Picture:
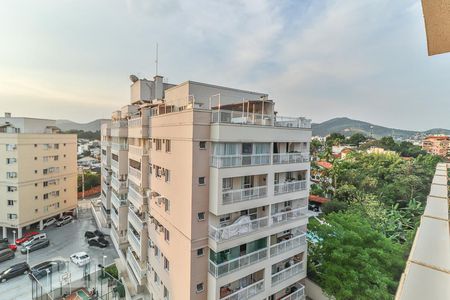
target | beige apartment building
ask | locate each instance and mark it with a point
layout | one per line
(207, 193)
(38, 177)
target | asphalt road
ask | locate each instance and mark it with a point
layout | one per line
(64, 241)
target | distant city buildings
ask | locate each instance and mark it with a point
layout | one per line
(437, 144)
(38, 172)
(206, 191)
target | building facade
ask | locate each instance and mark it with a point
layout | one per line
(38, 177)
(209, 193)
(437, 145)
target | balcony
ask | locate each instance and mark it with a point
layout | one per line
(240, 195)
(119, 147)
(290, 187)
(247, 292)
(119, 128)
(290, 158)
(239, 160)
(105, 144)
(288, 245)
(134, 241)
(118, 200)
(288, 273)
(298, 294)
(116, 238)
(115, 164)
(137, 150)
(135, 175)
(238, 263)
(114, 218)
(137, 220)
(237, 230)
(287, 216)
(117, 184)
(135, 197)
(138, 270)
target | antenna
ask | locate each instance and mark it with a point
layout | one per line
(156, 61)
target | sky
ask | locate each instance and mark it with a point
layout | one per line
(362, 59)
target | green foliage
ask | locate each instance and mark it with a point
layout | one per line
(353, 260)
(112, 270)
(334, 206)
(404, 149)
(356, 139)
(335, 139)
(91, 179)
(89, 135)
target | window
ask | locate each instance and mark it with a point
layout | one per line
(202, 145)
(200, 287)
(166, 264)
(156, 278)
(11, 147)
(201, 180)
(35, 210)
(224, 218)
(201, 216)
(11, 188)
(166, 205)
(167, 175)
(35, 197)
(10, 202)
(35, 184)
(35, 171)
(200, 252)
(12, 216)
(35, 145)
(167, 145)
(158, 143)
(10, 161)
(166, 235)
(45, 196)
(35, 158)
(166, 293)
(56, 146)
(11, 175)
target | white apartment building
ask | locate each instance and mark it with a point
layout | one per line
(209, 193)
(38, 177)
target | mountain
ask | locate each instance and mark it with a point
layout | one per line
(348, 127)
(93, 126)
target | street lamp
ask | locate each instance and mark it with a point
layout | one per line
(14, 237)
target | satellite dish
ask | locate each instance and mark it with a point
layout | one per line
(134, 78)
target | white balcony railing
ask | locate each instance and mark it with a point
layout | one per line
(135, 197)
(233, 196)
(106, 144)
(119, 147)
(137, 221)
(289, 215)
(134, 174)
(118, 184)
(114, 164)
(228, 161)
(138, 270)
(119, 124)
(118, 200)
(287, 273)
(292, 122)
(290, 158)
(290, 187)
(247, 292)
(288, 245)
(299, 294)
(227, 267)
(236, 230)
(114, 218)
(137, 150)
(134, 241)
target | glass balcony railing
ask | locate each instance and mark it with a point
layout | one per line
(134, 196)
(114, 218)
(290, 158)
(119, 147)
(133, 261)
(236, 230)
(287, 273)
(289, 215)
(134, 241)
(234, 196)
(135, 219)
(239, 160)
(298, 294)
(238, 263)
(118, 200)
(288, 245)
(247, 292)
(118, 184)
(290, 187)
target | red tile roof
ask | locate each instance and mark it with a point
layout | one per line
(318, 199)
(324, 164)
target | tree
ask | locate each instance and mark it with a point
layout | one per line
(352, 260)
(335, 139)
(334, 206)
(356, 139)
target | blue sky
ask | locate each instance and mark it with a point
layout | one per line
(363, 59)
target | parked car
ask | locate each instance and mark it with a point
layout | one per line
(98, 242)
(92, 234)
(64, 220)
(80, 258)
(15, 270)
(36, 237)
(36, 245)
(6, 254)
(49, 222)
(26, 237)
(40, 270)
(4, 240)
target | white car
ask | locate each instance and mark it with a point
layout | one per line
(49, 222)
(63, 221)
(80, 258)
